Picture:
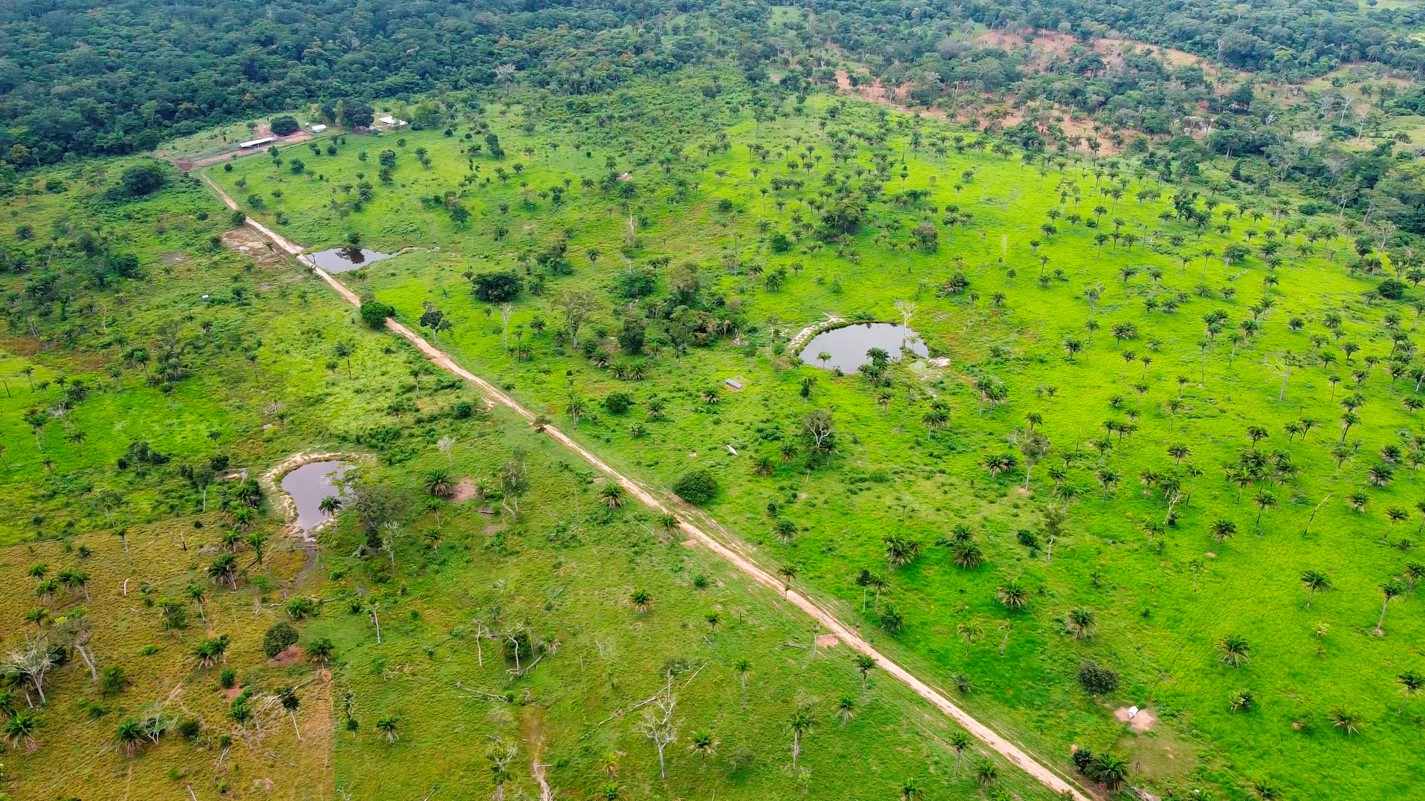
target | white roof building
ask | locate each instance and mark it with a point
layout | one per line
(257, 142)
(390, 121)
(317, 127)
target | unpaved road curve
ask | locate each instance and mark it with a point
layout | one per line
(986, 735)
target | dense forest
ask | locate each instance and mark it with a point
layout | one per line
(686, 399)
(108, 78)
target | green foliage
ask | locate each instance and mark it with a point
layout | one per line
(278, 637)
(496, 286)
(284, 124)
(142, 179)
(696, 487)
(374, 313)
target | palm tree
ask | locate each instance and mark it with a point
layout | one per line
(224, 570)
(1314, 581)
(1263, 500)
(437, 483)
(199, 597)
(257, 541)
(703, 744)
(845, 708)
(986, 773)
(864, 665)
(1079, 623)
(960, 742)
(968, 555)
(500, 754)
(1345, 721)
(1222, 530)
(901, 551)
(787, 574)
(329, 505)
(1012, 596)
(801, 723)
(130, 736)
(1411, 682)
(1235, 650)
(641, 600)
(20, 728)
(1389, 591)
(387, 726)
(1110, 771)
(612, 496)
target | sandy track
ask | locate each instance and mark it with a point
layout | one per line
(989, 737)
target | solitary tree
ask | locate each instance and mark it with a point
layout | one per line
(1389, 591)
(658, 724)
(864, 665)
(801, 723)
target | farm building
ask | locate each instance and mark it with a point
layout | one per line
(251, 143)
(317, 127)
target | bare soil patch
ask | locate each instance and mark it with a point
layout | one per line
(291, 655)
(255, 246)
(464, 491)
(1139, 720)
(826, 640)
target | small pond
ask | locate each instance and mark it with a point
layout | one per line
(341, 260)
(846, 347)
(308, 485)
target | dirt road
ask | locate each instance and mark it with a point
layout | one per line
(725, 551)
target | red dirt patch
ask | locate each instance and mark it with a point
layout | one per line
(291, 655)
(464, 491)
(251, 244)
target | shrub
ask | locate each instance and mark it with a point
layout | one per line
(278, 638)
(374, 313)
(618, 403)
(142, 179)
(1391, 289)
(697, 487)
(284, 125)
(113, 680)
(1097, 679)
(497, 287)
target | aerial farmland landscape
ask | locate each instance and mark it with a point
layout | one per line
(846, 400)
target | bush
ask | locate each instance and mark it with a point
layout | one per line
(374, 313)
(497, 287)
(1097, 679)
(142, 179)
(190, 728)
(1391, 289)
(284, 125)
(278, 639)
(113, 681)
(618, 403)
(697, 487)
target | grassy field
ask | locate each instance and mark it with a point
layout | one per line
(1094, 358)
(110, 549)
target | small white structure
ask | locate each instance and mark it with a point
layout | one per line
(389, 121)
(317, 127)
(251, 143)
